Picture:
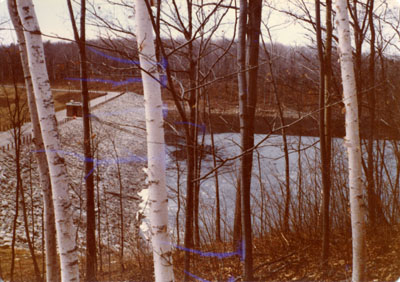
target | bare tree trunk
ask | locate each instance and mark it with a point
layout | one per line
(46, 113)
(26, 225)
(99, 233)
(162, 254)
(286, 216)
(188, 122)
(352, 142)
(237, 224)
(191, 142)
(17, 121)
(327, 131)
(325, 161)
(371, 106)
(199, 157)
(249, 24)
(121, 218)
(188, 238)
(178, 197)
(80, 40)
(358, 28)
(121, 211)
(217, 200)
(52, 265)
(243, 117)
(14, 235)
(16, 118)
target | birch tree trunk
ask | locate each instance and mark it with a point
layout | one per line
(52, 266)
(48, 123)
(158, 200)
(352, 141)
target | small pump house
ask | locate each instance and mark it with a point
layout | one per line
(74, 109)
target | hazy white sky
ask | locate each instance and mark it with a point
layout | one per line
(52, 15)
(54, 20)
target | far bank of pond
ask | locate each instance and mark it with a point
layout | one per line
(303, 126)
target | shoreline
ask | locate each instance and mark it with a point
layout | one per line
(305, 126)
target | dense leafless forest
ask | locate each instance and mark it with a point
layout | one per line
(188, 144)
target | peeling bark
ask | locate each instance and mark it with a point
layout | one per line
(52, 266)
(48, 123)
(352, 142)
(162, 255)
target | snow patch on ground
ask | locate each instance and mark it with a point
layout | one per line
(119, 150)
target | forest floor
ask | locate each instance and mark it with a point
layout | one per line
(296, 257)
(278, 257)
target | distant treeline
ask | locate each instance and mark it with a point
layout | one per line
(295, 70)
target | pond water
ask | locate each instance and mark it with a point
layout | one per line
(267, 182)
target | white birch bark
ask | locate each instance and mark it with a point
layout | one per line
(352, 141)
(48, 123)
(158, 200)
(52, 267)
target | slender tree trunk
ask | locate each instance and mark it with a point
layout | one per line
(191, 142)
(52, 265)
(17, 121)
(32, 209)
(300, 183)
(14, 232)
(121, 211)
(26, 225)
(217, 200)
(286, 216)
(121, 218)
(197, 155)
(80, 40)
(323, 139)
(371, 106)
(178, 197)
(358, 41)
(99, 233)
(243, 118)
(327, 131)
(46, 113)
(90, 203)
(237, 224)
(188, 238)
(155, 147)
(199, 158)
(352, 142)
(249, 24)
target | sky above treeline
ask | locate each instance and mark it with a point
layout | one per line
(54, 21)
